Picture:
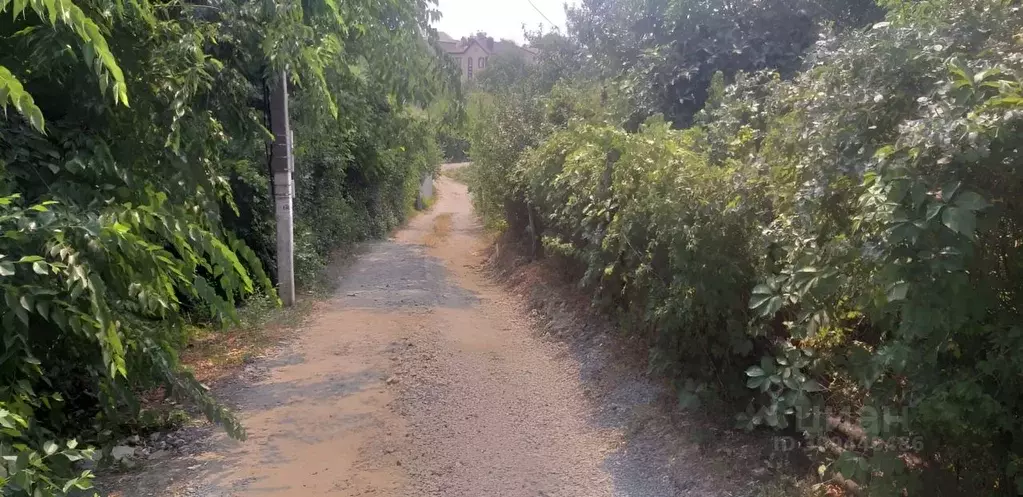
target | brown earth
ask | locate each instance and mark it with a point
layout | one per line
(426, 377)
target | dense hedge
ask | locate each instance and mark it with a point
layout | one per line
(665, 240)
(835, 247)
(134, 190)
(357, 176)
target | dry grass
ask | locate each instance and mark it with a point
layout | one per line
(213, 354)
(441, 230)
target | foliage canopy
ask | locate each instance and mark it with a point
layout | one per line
(829, 228)
(134, 194)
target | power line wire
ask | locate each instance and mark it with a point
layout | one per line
(542, 14)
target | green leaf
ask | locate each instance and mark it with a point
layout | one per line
(758, 300)
(849, 465)
(59, 318)
(887, 463)
(755, 371)
(812, 386)
(949, 190)
(790, 382)
(970, 201)
(962, 221)
(960, 73)
(40, 268)
(772, 306)
(902, 232)
(92, 40)
(897, 190)
(986, 73)
(884, 152)
(7, 268)
(1004, 101)
(22, 315)
(50, 448)
(19, 7)
(12, 92)
(43, 309)
(898, 291)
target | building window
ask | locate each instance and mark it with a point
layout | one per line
(483, 63)
(470, 68)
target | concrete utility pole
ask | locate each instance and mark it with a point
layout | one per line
(281, 165)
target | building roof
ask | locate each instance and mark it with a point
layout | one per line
(507, 46)
(455, 47)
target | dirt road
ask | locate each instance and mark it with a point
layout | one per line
(423, 378)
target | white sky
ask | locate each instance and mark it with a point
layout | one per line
(501, 19)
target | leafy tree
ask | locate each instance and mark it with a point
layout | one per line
(663, 53)
(834, 228)
(897, 147)
(132, 169)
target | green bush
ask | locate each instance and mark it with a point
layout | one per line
(841, 239)
(669, 242)
(357, 177)
(663, 54)
(893, 164)
(121, 223)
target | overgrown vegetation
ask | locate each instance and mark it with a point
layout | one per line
(134, 193)
(807, 207)
(461, 174)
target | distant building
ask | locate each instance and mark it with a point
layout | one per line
(473, 54)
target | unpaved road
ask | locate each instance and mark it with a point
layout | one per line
(424, 378)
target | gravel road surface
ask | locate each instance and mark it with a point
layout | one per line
(423, 377)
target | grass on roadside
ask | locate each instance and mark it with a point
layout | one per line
(460, 174)
(211, 354)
